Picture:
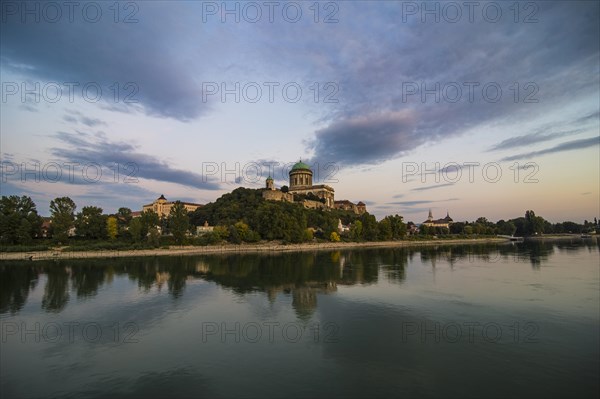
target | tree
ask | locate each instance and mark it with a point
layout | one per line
(19, 220)
(123, 216)
(385, 230)
(63, 215)
(234, 236)
(506, 228)
(179, 222)
(334, 237)
(308, 235)
(149, 219)
(112, 227)
(356, 230)
(91, 223)
(154, 237)
(534, 224)
(136, 229)
(397, 226)
(285, 189)
(369, 227)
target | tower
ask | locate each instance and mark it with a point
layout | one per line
(300, 176)
(430, 217)
(270, 185)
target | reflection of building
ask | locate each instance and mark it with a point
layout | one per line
(162, 207)
(301, 186)
(445, 222)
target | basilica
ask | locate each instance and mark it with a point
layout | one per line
(312, 196)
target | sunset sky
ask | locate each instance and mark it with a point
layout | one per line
(195, 95)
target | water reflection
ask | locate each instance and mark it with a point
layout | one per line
(302, 275)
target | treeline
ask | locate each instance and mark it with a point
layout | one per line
(20, 224)
(529, 225)
(240, 216)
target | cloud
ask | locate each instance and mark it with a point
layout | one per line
(421, 202)
(376, 120)
(159, 65)
(432, 187)
(86, 149)
(76, 116)
(366, 139)
(568, 146)
(523, 141)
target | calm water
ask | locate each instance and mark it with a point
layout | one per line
(509, 320)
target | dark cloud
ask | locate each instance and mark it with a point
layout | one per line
(568, 146)
(161, 68)
(369, 139)
(432, 187)
(86, 148)
(421, 202)
(373, 70)
(523, 141)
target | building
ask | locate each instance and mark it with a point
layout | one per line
(342, 228)
(301, 184)
(445, 222)
(200, 230)
(162, 207)
(301, 188)
(346, 205)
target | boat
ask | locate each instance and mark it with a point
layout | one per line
(586, 236)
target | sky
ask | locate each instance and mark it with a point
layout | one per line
(472, 108)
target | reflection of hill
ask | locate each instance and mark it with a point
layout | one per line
(304, 275)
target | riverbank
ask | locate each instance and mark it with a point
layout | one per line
(233, 248)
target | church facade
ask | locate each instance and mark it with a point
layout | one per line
(445, 222)
(312, 196)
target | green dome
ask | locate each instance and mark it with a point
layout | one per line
(300, 165)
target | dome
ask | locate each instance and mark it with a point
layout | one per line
(300, 165)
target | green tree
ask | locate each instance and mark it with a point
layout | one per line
(397, 226)
(356, 230)
(136, 229)
(234, 236)
(154, 237)
(369, 223)
(124, 217)
(112, 227)
(533, 224)
(334, 237)
(385, 229)
(149, 219)
(308, 235)
(62, 210)
(91, 223)
(19, 220)
(179, 222)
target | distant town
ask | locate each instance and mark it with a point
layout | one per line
(295, 213)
